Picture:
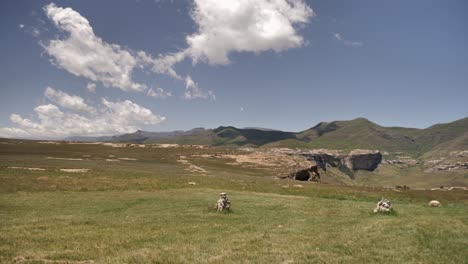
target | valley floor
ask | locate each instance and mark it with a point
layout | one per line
(180, 226)
(103, 204)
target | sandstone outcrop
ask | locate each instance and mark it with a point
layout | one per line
(359, 159)
(452, 167)
(363, 160)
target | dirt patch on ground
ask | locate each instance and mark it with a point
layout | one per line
(178, 146)
(254, 158)
(205, 156)
(193, 168)
(127, 159)
(112, 160)
(276, 162)
(58, 158)
(190, 166)
(21, 259)
(114, 145)
(24, 168)
(166, 146)
(75, 170)
(49, 142)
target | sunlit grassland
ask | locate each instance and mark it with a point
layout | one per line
(414, 176)
(179, 226)
(144, 211)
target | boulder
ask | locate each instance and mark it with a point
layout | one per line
(363, 160)
(300, 175)
(359, 159)
(322, 158)
(384, 206)
(223, 202)
(304, 174)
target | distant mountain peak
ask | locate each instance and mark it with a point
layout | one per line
(346, 134)
(262, 128)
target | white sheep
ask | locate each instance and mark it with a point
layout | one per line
(434, 203)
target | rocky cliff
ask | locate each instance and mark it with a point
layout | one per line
(358, 159)
(362, 160)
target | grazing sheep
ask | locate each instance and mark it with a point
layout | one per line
(223, 202)
(384, 206)
(434, 203)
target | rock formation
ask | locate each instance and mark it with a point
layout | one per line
(363, 160)
(358, 159)
(223, 202)
(384, 206)
(450, 167)
(304, 174)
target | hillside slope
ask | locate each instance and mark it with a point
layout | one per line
(343, 135)
(444, 137)
(353, 134)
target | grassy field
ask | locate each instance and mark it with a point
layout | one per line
(144, 211)
(414, 176)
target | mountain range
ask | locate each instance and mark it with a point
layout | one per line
(345, 135)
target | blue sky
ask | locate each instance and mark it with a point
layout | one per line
(168, 65)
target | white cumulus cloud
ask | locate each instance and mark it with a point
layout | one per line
(192, 91)
(245, 26)
(163, 64)
(91, 87)
(225, 27)
(82, 53)
(67, 118)
(354, 44)
(158, 93)
(126, 113)
(337, 36)
(239, 26)
(72, 102)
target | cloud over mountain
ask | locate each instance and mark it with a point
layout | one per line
(73, 116)
(72, 102)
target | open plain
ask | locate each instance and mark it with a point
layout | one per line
(146, 206)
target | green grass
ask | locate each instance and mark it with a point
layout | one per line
(180, 226)
(412, 176)
(144, 211)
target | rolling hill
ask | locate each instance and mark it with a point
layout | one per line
(345, 135)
